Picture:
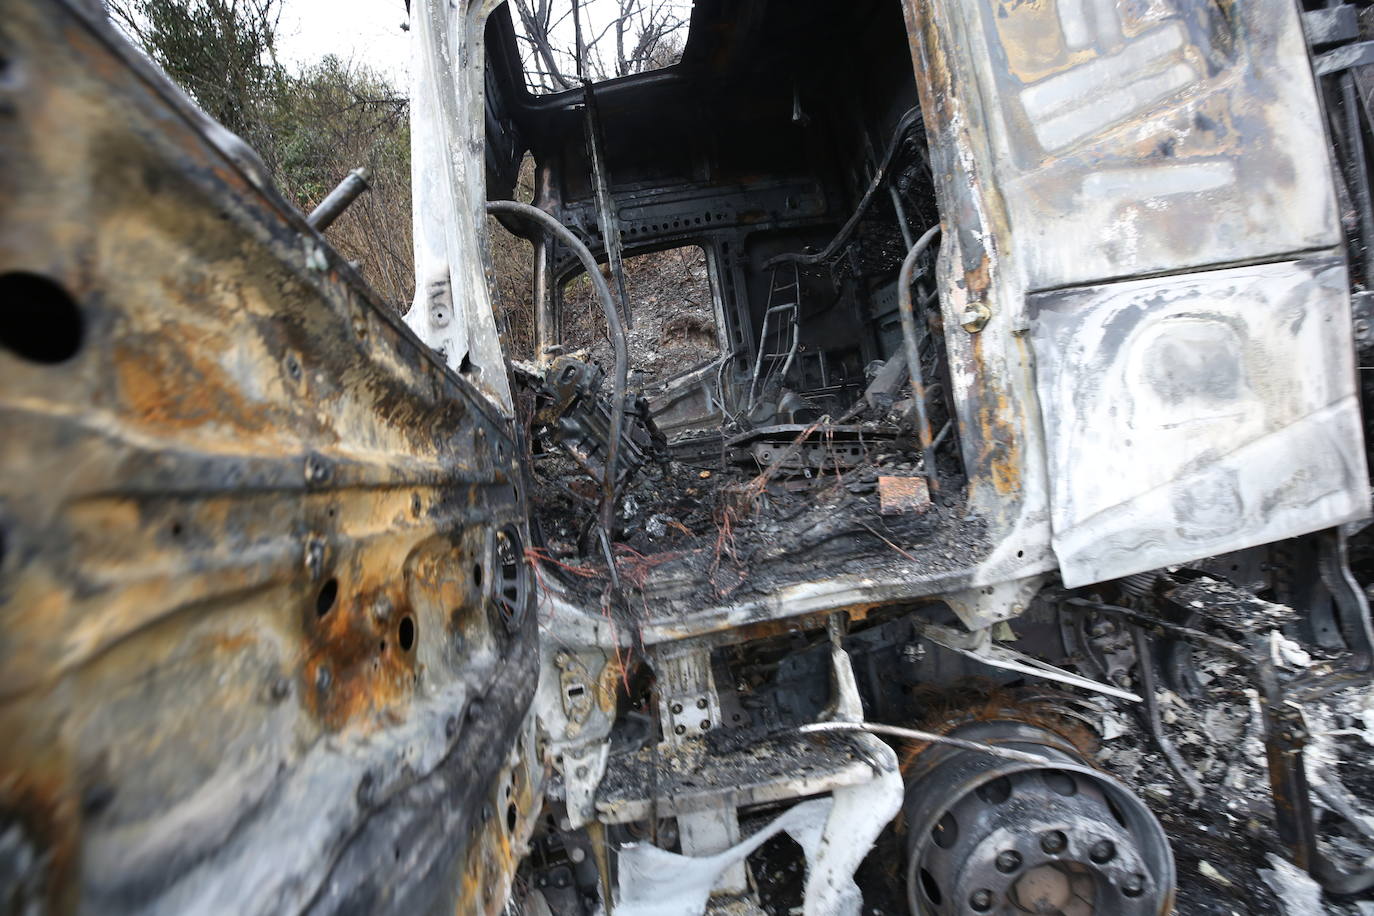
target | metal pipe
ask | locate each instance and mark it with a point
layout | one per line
(1146, 662)
(547, 333)
(337, 201)
(605, 205)
(913, 354)
(603, 293)
(913, 734)
(759, 356)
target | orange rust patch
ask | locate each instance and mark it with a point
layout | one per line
(1000, 452)
(979, 280)
(815, 620)
(899, 495)
(169, 385)
(488, 871)
(932, 73)
(45, 808)
(608, 685)
(356, 668)
(495, 848)
(977, 700)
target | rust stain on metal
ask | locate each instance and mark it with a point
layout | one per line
(259, 522)
(496, 847)
(356, 667)
(173, 383)
(999, 442)
(608, 685)
(42, 822)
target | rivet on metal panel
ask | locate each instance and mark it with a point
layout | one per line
(975, 316)
(314, 555)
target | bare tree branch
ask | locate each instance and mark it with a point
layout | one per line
(609, 41)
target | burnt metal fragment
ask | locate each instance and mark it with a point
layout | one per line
(571, 412)
(897, 495)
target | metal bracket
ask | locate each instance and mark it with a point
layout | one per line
(980, 647)
(1331, 25)
(689, 706)
(1343, 58)
(575, 691)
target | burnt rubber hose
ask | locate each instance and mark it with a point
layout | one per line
(603, 293)
(903, 125)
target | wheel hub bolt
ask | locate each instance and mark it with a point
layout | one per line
(1054, 842)
(1103, 851)
(1008, 860)
(1133, 886)
(980, 900)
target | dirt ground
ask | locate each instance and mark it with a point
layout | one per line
(673, 321)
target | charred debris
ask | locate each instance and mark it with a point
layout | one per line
(794, 440)
(810, 446)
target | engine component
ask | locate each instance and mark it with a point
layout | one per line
(571, 412)
(1102, 646)
(992, 835)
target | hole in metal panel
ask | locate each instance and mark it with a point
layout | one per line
(39, 320)
(324, 601)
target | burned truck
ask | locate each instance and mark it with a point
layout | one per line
(1001, 553)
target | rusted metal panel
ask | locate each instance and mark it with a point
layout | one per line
(1197, 415)
(250, 659)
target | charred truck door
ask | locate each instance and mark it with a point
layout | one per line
(1142, 218)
